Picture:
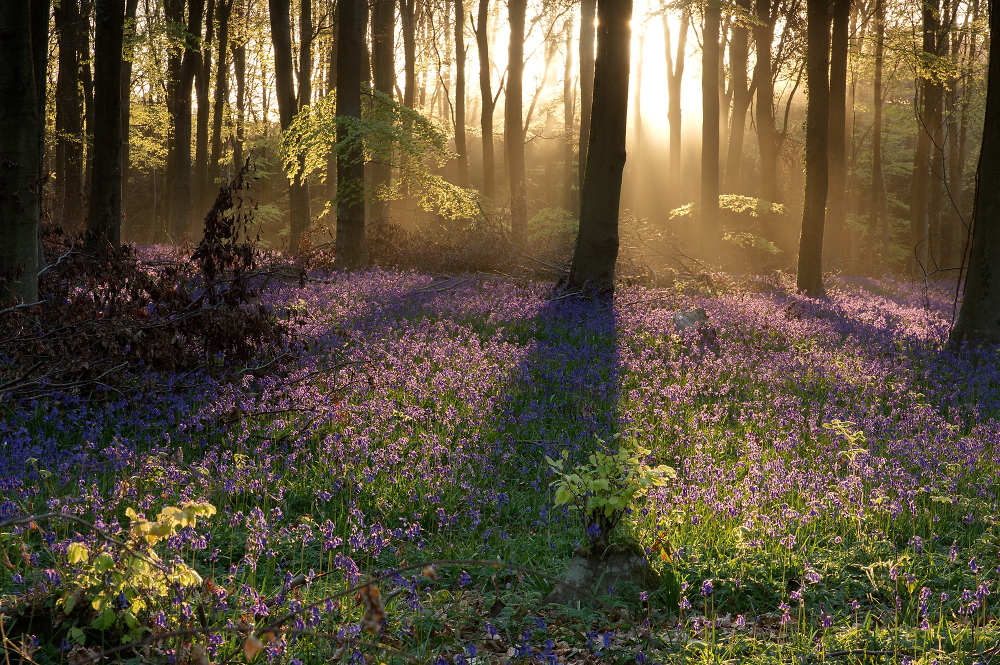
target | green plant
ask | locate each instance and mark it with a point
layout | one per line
(135, 574)
(604, 487)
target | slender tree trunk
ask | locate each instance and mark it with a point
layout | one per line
(298, 189)
(921, 181)
(40, 11)
(588, 11)
(87, 81)
(742, 96)
(104, 221)
(173, 11)
(131, 6)
(978, 319)
(20, 169)
(351, 249)
(836, 212)
(597, 244)
(408, 20)
(878, 217)
(384, 72)
(221, 95)
(767, 138)
(710, 133)
(810, 270)
(488, 104)
(460, 143)
(202, 82)
(181, 192)
(331, 85)
(69, 116)
(305, 53)
(514, 122)
(675, 76)
(240, 73)
(569, 113)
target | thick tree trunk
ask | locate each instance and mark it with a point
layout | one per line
(810, 270)
(488, 103)
(202, 82)
(104, 221)
(597, 244)
(69, 116)
(978, 319)
(180, 205)
(351, 250)
(514, 122)
(20, 169)
(460, 143)
(131, 7)
(588, 11)
(298, 189)
(384, 75)
(767, 137)
(675, 76)
(836, 212)
(878, 216)
(742, 96)
(221, 95)
(710, 133)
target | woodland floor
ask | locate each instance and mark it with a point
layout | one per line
(836, 497)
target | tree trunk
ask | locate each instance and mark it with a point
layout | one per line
(202, 81)
(460, 144)
(767, 139)
(569, 113)
(331, 85)
(810, 270)
(104, 221)
(408, 20)
(978, 319)
(384, 74)
(920, 184)
(488, 104)
(636, 169)
(180, 208)
(298, 189)
(131, 6)
(836, 212)
(742, 96)
(878, 217)
(305, 53)
(514, 122)
(351, 249)
(710, 133)
(675, 76)
(588, 10)
(20, 169)
(240, 73)
(69, 116)
(597, 244)
(221, 95)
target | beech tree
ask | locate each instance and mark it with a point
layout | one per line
(352, 250)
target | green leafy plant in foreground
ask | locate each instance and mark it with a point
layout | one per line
(604, 487)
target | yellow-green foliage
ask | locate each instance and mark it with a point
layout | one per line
(607, 484)
(135, 572)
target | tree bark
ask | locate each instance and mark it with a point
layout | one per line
(104, 221)
(597, 243)
(920, 184)
(514, 122)
(351, 249)
(408, 21)
(331, 85)
(225, 9)
(69, 116)
(675, 76)
(810, 269)
(20, 169)
(384, 75)
(569, 113)
(203, 79)
(710, 133)
(131, 6)
(739, 48)
(180, 207)
(298, 189)
(878, 216)
(836, 212)
(978, 320)
(460, 143)
(588, 11)
(240, 73)
(767, 138)
(488, 103)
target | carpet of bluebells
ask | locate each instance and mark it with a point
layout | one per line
(835, 500)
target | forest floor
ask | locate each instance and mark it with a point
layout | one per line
(835, 499)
